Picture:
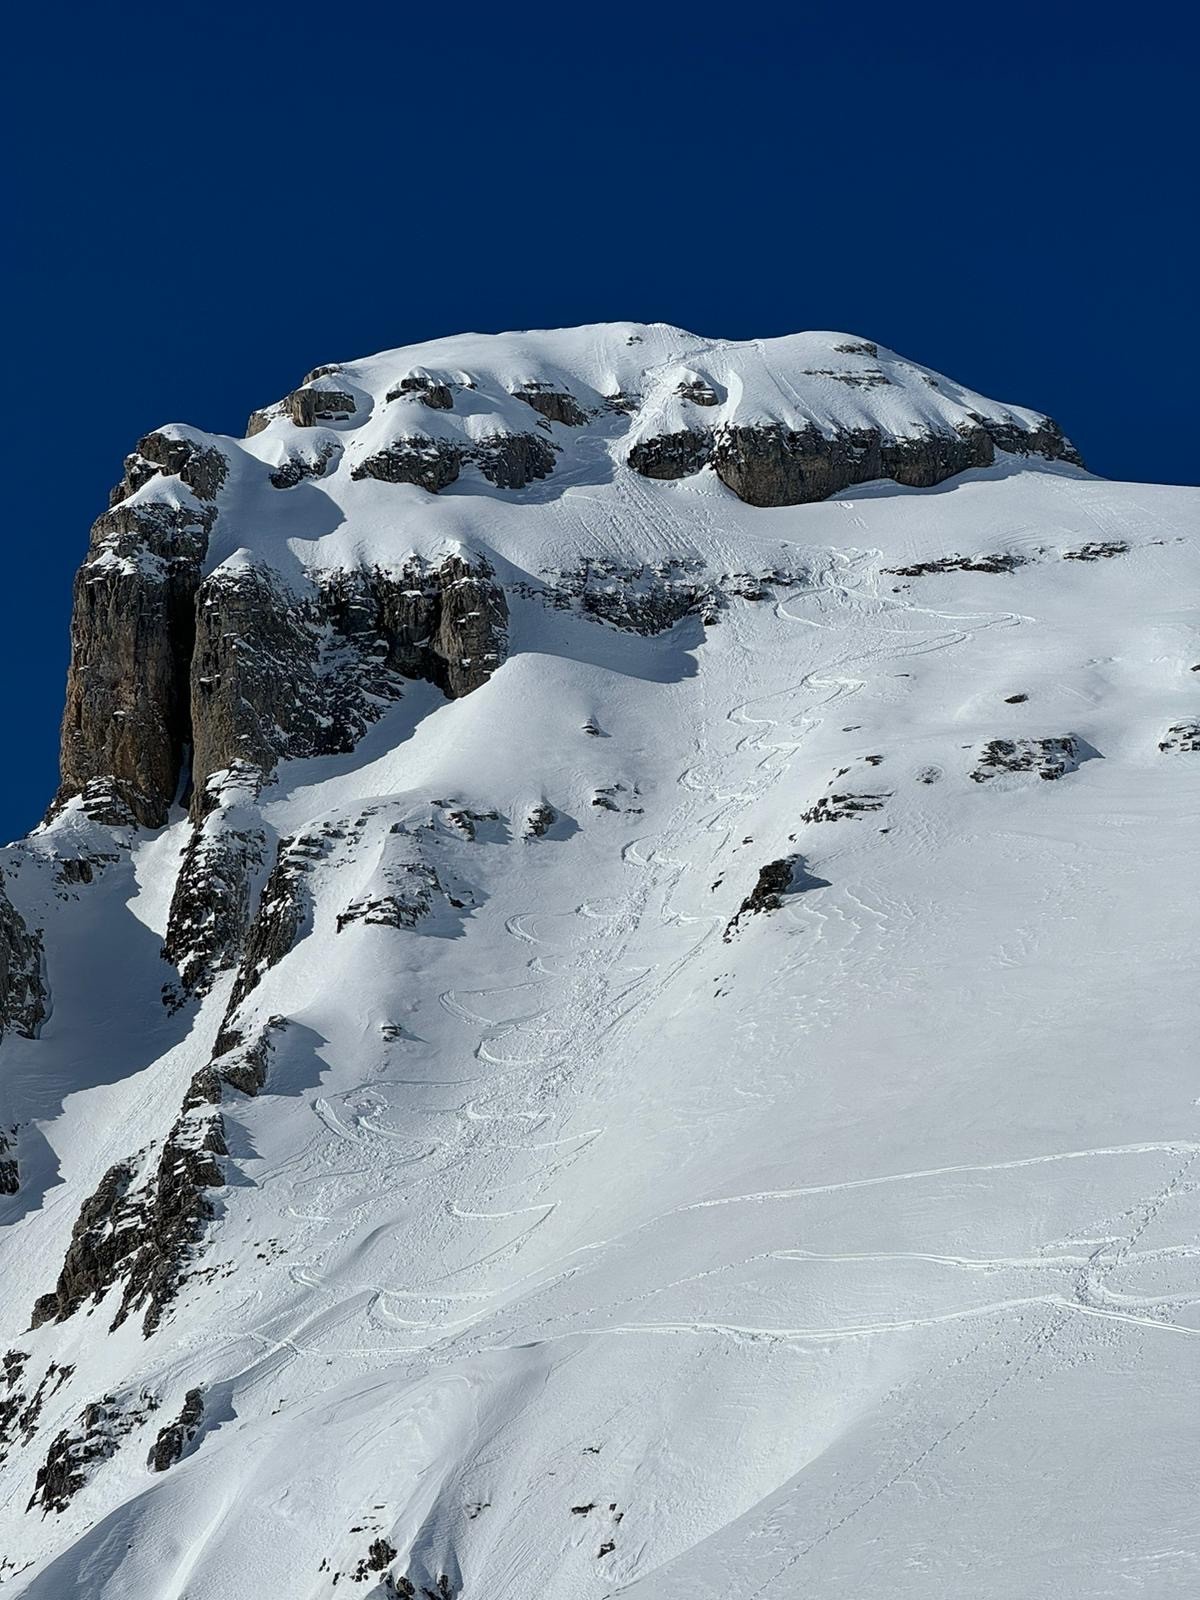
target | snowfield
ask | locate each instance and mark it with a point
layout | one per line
(589, 1238)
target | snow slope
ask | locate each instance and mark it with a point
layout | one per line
(580, 1243)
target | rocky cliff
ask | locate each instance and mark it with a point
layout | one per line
(22, 992)
(190, 658)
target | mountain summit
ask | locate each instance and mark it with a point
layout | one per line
(602, 1006)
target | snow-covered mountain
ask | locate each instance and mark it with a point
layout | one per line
(607, 1005)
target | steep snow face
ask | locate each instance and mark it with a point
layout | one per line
(700, 1103)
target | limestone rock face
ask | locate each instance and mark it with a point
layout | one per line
(556, 405)
(770, 465)
(211, 906)
(126, 716)
(22, 991)
(469, 637)
(795, 420)
(432, 464)
(277, 925)
(138, 1227)
(174, 455)
(508, 460)
(279, 674)
(96, 1248)
(306, 406)
(672, 455)
(179, 672)
(254, 676)
(300, 464)
(437, 396)
(174, 1439)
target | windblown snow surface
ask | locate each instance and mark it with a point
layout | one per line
(581, 1245)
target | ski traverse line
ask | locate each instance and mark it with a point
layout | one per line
(1165, 1147)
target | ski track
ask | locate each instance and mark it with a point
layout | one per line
(439, 1228)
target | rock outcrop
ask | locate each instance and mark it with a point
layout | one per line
(307, 406)
(139, 1225)
(508, 460)
(75, 1453)
(277, 673)
(556, 405)
(175, 1438)
(776, 881)
(1181, 736)
(1050, 758)
(672, 455)
(126, 725)
(126, 721)
(173, 455)
(96, 1249)
(22, 988)
(238, 669)
(277, 926)
(211, 906)
(769, 464)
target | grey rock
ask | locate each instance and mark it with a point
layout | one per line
(69, 1462)
(276, 673)
(622, 402)
(1050, 758)
(20, 1410)
(23, 996)
(299, 465)
(126, 722)
(698, 390)
(844, 807)
(254, 676)
(173, 1216)
(437, 396)
(540, 820)
(1047, 439)
(308, 406)
(672, 455)
(282, 914)
(97, 1247)
(202, 467)
(1004, 561)
(775, 466)
(776, 881)
(1184, 736)
(76, 1452)
(139, 1228)
(771, 465)
(508, 460)
(258, 420)
(10, 1171)
(174, 1439)
(244, 1065)
(1097, 550)
(403, 910)
(211, 905)
(431, 464)
(514, 460)
(556, 405)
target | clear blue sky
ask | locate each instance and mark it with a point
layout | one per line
(210, 199)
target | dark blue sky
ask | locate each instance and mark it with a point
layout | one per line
(211, 199)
